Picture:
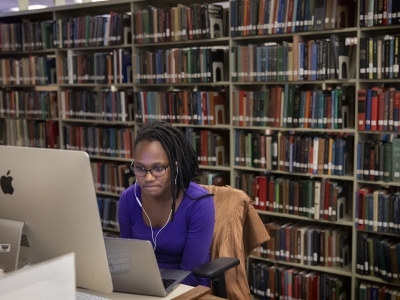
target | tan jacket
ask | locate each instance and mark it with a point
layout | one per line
(238, 230)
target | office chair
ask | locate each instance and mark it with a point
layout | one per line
(238, 230)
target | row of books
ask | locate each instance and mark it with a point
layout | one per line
(378, 109)
(258, 17)
(180, 23)
(313, 153)
(211, 146)
(307, 244)
(320, 59)
(268, 281)
(26, 36)
(111, 177)
(100, 141)
(379, 257)
(311, 198)
(108, 210)
(216, 178)
(31, 133)
(290, 106)
(28, 70)
(28, 104)
(374, 13)
(185, 65)
(378, 160)
(377, 210)
(102, 105)
(370, 290)
(184, 107)
(92, 31)
(379, 58)
(100, 67)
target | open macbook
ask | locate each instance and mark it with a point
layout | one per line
(134, 268)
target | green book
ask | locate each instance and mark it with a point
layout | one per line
(387, 162)
(396, 160)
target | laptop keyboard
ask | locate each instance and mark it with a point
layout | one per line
(118, 258)
(85, 296)
(168, 282)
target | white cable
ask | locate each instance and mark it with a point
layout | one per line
(151, 227)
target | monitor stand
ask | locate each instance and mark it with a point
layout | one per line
(10, 241)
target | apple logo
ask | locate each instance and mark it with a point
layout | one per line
(6, 184)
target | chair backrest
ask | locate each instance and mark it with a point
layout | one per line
(238, 230)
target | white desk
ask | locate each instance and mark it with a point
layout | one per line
(180, 289)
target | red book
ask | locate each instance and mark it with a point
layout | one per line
(271, 194)
(381, 110)
(290, 17)
(362, 96)
(242, 102)
(278, 112)
(372, 164)
(327, 199)
(396, 111)
(374, 110)
(362, 194)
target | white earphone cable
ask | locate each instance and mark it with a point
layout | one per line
(151, 226)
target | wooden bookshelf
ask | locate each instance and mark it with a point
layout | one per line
(239, 74)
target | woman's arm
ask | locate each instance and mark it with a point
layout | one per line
(201, 221)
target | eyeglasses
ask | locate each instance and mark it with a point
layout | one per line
(158, 171)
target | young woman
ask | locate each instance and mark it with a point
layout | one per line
(164, 206)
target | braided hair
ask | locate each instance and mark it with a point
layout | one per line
(179, 152)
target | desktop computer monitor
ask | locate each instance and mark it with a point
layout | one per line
(52, 192)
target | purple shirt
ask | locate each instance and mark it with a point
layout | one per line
(184, 243)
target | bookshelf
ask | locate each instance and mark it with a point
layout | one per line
(267, 109)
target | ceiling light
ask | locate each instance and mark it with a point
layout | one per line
(30, 7)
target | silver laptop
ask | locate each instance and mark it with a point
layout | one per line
(134, 268)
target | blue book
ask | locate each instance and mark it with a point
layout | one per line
(314, 58)
(370, 210)
(359, 167)
(381, 204)
(295, 12)
(302, 109)
(100, 205)
(306, 15)
(267, 59)
(281, 16)
(386, 212)
(396, 213)
(263, 62)
(333, 162)
(258, 65)
(298, 15)
(106, 212)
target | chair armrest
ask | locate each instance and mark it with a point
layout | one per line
(216, 267)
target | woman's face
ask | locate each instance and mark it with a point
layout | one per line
(149, 155)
